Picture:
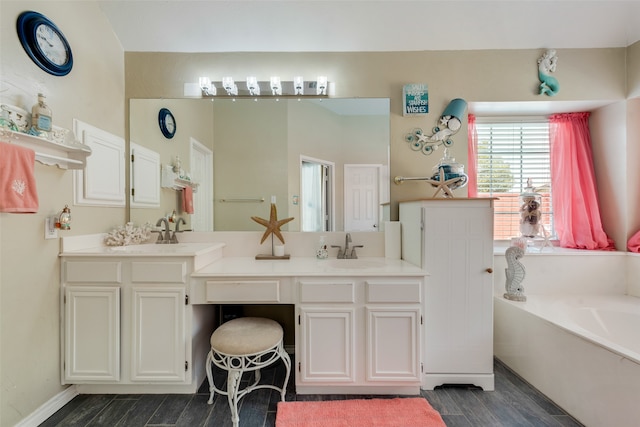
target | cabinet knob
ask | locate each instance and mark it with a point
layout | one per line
(489, 270)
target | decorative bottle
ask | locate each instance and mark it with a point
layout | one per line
(41, 115)
(322, 252)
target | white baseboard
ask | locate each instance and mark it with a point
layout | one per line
(49, 408)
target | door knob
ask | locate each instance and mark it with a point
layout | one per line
(489, 270)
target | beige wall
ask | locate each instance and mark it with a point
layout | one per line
(489, 76)
(29, 269)
(193, 118)
(633, 70)
(609, 142)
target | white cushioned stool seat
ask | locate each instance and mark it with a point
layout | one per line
(246, 335)
(241, 345)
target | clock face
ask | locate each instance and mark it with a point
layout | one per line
(170, 123)
(44, 43)
(167, 123)
(51, 44)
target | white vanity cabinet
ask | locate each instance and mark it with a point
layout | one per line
(453, 240)
(125, 322)
(358, 335)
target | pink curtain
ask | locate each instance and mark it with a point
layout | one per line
(575, 199)
(472, 147)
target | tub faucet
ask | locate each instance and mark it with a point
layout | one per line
(167, 231)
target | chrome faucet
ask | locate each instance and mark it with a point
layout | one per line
(174, 238)
(167, 231)
(347, 240)
(344, 253)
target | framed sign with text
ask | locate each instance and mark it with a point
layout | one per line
(415, 99)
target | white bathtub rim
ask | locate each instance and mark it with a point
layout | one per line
(542, 306)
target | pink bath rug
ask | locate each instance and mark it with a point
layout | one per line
(398, 412)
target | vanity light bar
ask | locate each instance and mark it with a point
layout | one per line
(254, 88)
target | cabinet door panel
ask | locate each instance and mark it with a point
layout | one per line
(459, 298)
(327, 345)
(92, 333)
(393, 344)
(158, 351)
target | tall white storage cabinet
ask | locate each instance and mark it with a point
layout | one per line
(452, 239)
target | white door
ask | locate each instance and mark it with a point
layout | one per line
(202, 173)
(361, 197)
(92, 333)
(393, 344)
(158, 350)
(327, 345)
(145, 177)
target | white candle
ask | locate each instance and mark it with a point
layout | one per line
(273, 199)
(278, 250)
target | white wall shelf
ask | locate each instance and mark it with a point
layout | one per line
(65, 156)
(170, 179)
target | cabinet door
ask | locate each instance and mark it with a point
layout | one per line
(458, 251)
(92, 333)
(393, 344)
(158, 348)
(327, 345)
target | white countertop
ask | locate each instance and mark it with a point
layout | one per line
(146, 250)
(308, 266)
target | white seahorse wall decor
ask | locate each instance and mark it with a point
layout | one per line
(515, 273)
(546, 65)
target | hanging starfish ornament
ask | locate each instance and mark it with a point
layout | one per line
(273, 225)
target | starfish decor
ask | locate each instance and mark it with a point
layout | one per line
(443, 184)
(273, 225)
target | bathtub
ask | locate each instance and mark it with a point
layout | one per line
(582, 351)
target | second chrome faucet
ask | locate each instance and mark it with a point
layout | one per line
(346, 253)
(168, 237)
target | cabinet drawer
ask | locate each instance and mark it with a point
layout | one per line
(159, 272)
(243, 291)
(93, 272)
(327, 292)
(382, 292)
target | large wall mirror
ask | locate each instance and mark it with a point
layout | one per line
(324, 161)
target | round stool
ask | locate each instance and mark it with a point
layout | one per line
(241, 345)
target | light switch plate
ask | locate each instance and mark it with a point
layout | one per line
(50, 230)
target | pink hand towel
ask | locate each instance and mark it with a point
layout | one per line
(18, 192)
(187, 200)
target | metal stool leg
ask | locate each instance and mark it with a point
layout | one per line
(233, 385)
(287, 363)
(210, 377)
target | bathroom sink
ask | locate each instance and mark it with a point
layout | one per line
(355, 264)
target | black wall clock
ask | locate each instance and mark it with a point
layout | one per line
(44, 43)
(167, 123)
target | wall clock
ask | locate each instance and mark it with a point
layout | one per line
(44, 43)
(167, 123)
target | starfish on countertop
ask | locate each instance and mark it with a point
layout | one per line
(273, 225)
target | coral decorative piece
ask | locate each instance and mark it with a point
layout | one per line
(273, 225)
(128, 235)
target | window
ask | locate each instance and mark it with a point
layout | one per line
(512, 152)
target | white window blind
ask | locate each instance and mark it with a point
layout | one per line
(511, 152)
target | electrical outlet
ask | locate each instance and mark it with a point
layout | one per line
(50, 230)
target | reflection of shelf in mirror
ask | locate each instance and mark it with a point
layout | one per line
(170, 179)
(65, 156)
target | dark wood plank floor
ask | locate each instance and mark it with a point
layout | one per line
(513, 403)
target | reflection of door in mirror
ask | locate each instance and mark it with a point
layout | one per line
(361, 197)
(202, 172)
(316, 194)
